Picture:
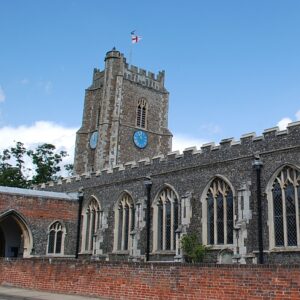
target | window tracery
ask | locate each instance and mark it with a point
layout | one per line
(125, 222)
(166, 220)
(285, 202)
(219, 200)
(92, 222)
(56, 237)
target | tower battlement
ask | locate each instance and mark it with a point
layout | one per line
(132, 73)
(148, 79)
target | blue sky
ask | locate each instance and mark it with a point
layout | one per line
(232, 67)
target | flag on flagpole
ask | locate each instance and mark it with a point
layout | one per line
(135, 38)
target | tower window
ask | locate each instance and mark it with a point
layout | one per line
(141, 113)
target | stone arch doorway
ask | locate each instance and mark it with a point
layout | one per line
(15, 235)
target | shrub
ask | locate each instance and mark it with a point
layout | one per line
(193, 250)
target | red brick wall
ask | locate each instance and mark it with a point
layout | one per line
(153, 281)
(39, 208)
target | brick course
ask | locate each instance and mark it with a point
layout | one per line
(39, 212)
(153, 281)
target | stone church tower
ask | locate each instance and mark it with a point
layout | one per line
(125, 117)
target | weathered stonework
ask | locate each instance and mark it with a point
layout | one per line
(189, 174)
(110, 109)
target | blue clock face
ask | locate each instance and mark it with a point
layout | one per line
(140, 139)
(94, 140)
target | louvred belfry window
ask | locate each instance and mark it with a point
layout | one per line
(285, 194)
(141, 113)
(219, 213)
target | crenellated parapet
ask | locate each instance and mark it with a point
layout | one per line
(145, 78)
(271, 140)
(131, 73)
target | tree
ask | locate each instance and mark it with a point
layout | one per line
(13, 175)
(70, 169)
(46, 162)
(44, 158)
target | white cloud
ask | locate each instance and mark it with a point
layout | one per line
(282, 124)
(63, 138)
(2, 95)
(180, 142)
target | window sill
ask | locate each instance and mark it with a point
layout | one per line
(164, 252)
(86, 252)
(285, 249)
(121, 252)
(220, 247)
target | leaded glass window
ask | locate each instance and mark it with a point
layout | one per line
(55, 238)
(125, 222)
(285, 197)
(219, 213)
(166, 219)
(51, 241)
(160, 222)
(93, 221)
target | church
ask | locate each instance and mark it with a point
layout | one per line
(133, 199)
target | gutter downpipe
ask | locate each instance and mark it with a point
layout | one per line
(80, 200)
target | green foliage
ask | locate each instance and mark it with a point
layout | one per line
(44, 159)
(70, 169)
(194, 251)
(13, 175)
(46, 162)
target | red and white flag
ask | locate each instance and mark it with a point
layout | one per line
(135, 38)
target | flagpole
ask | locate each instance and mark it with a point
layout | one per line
(130, 51)
(134, 39)
(130, 54)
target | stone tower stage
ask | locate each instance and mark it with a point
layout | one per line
(125, 117)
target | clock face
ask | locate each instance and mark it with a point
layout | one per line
(140, 139)
(93, 140)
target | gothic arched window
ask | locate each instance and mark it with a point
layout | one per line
(165, 220)
(219, 203)
(124, 222)
(141, 113)
(56, 237)
(285, 200)
(92, 222)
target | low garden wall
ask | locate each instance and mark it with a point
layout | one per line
(152, 280)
